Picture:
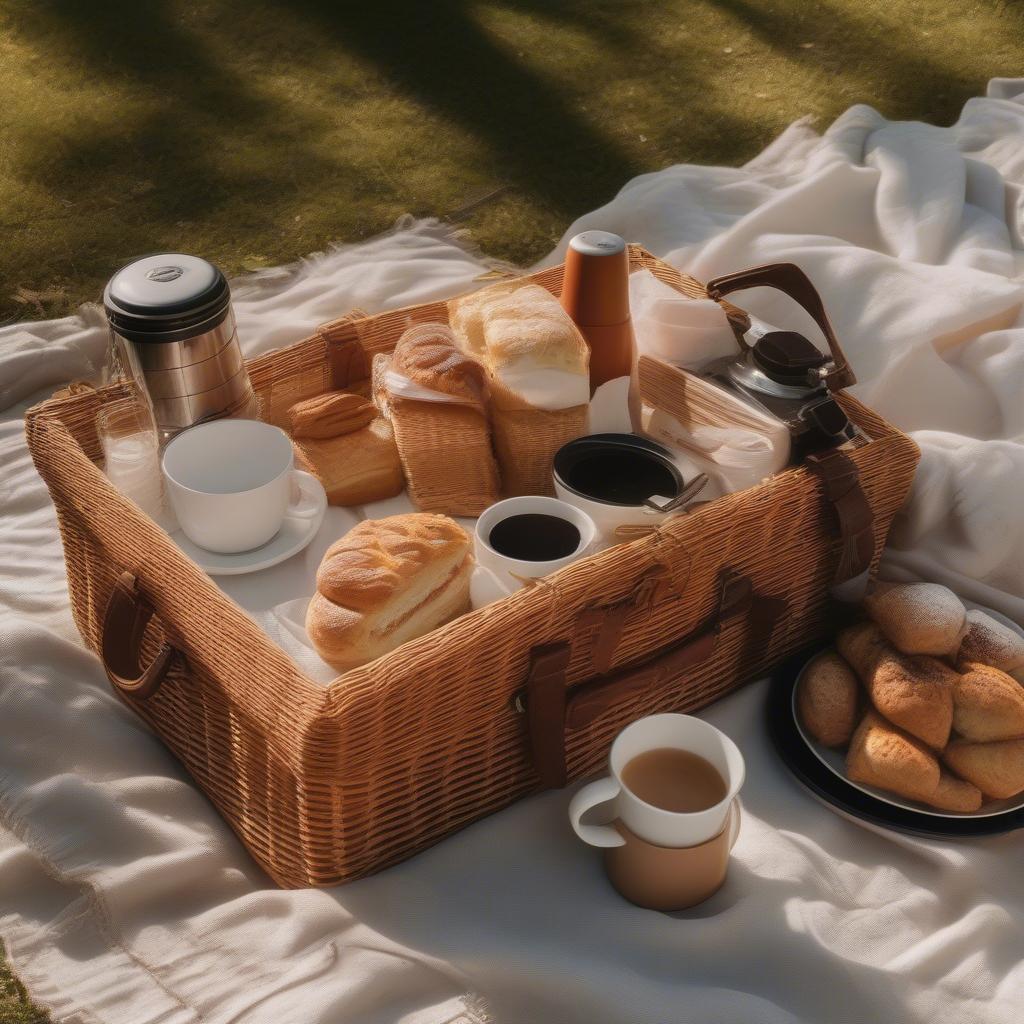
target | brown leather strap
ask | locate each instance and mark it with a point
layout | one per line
(124, 625)
(840, 483)
(789, 278)
(610, 619)
(552, 710)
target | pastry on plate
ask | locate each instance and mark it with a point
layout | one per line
(987, 704)
(997, 769)
(827, 699)
(884, 756)
(991, 643)
(436, 400)
(918, 618)
(953, 794)
(385, 582)
(914, 692)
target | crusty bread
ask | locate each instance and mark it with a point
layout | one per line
(428, 355)
(528, 326)
(913, 692)
(953, 794)
(385, 582)
(827, 699)
(987, 704)
(445, 446)
(989, 642)
(997, 769)
(918, 618)
(883, 756)
(466, 314)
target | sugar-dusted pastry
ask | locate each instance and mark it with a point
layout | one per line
(387, 581)
(538, 370)
(827, 699)
(913, 692)
(997, 769)
(991, 643)
(341, 439)
(883, 756)
(918, 618)
(953, 794)
(435, 398)
(987, 704)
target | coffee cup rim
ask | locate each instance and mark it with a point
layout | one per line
(255, 426)
(612, 441)
(728, 743)
(561, 509)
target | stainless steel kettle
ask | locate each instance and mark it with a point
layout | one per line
(174, 332)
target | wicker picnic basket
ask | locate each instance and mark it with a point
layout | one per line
(325, 783)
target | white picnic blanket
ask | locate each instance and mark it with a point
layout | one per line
(124, 899)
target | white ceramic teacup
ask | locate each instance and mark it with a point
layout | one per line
(509, 573)
(650, 823)
(231, 482)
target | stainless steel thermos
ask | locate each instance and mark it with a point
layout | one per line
(174, 332)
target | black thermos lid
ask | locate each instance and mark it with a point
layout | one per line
(166, 297)
(787, 357)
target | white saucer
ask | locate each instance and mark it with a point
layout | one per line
(296, 533)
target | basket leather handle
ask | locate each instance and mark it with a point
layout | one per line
(552, 710)
(840, 483)
(791, 280)
(124, 624)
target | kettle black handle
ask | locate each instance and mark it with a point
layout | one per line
(792, 281)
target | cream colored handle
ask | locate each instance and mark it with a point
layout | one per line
(591, 795)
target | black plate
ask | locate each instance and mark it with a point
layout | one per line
(827, 786)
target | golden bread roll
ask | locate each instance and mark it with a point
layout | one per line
(387, 581)
(913, 692)
(883, 756)
(827, 699)
(538, 366)
(435, 397)
(918, 618)
(991, 643)
(997, 769)
(987, 705)
(953, 794)
(861, 645)
(355, 468)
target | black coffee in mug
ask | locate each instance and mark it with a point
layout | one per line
(534, 537)
(617, 469)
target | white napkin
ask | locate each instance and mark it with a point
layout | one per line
(685, 332)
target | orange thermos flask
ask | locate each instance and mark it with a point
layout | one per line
(595, 293)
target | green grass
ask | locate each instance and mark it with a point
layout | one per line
(15, 1005)
(256, 132)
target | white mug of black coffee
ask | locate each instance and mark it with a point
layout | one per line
(621, 480)
(528, 537)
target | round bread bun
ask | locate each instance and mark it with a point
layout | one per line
(827, 699)
(919, 618)
(989, 642)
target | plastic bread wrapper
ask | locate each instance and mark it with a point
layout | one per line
(389, 386)
(545, 388)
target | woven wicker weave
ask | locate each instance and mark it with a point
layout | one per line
(327, 783)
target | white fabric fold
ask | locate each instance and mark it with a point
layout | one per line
(124, 898)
